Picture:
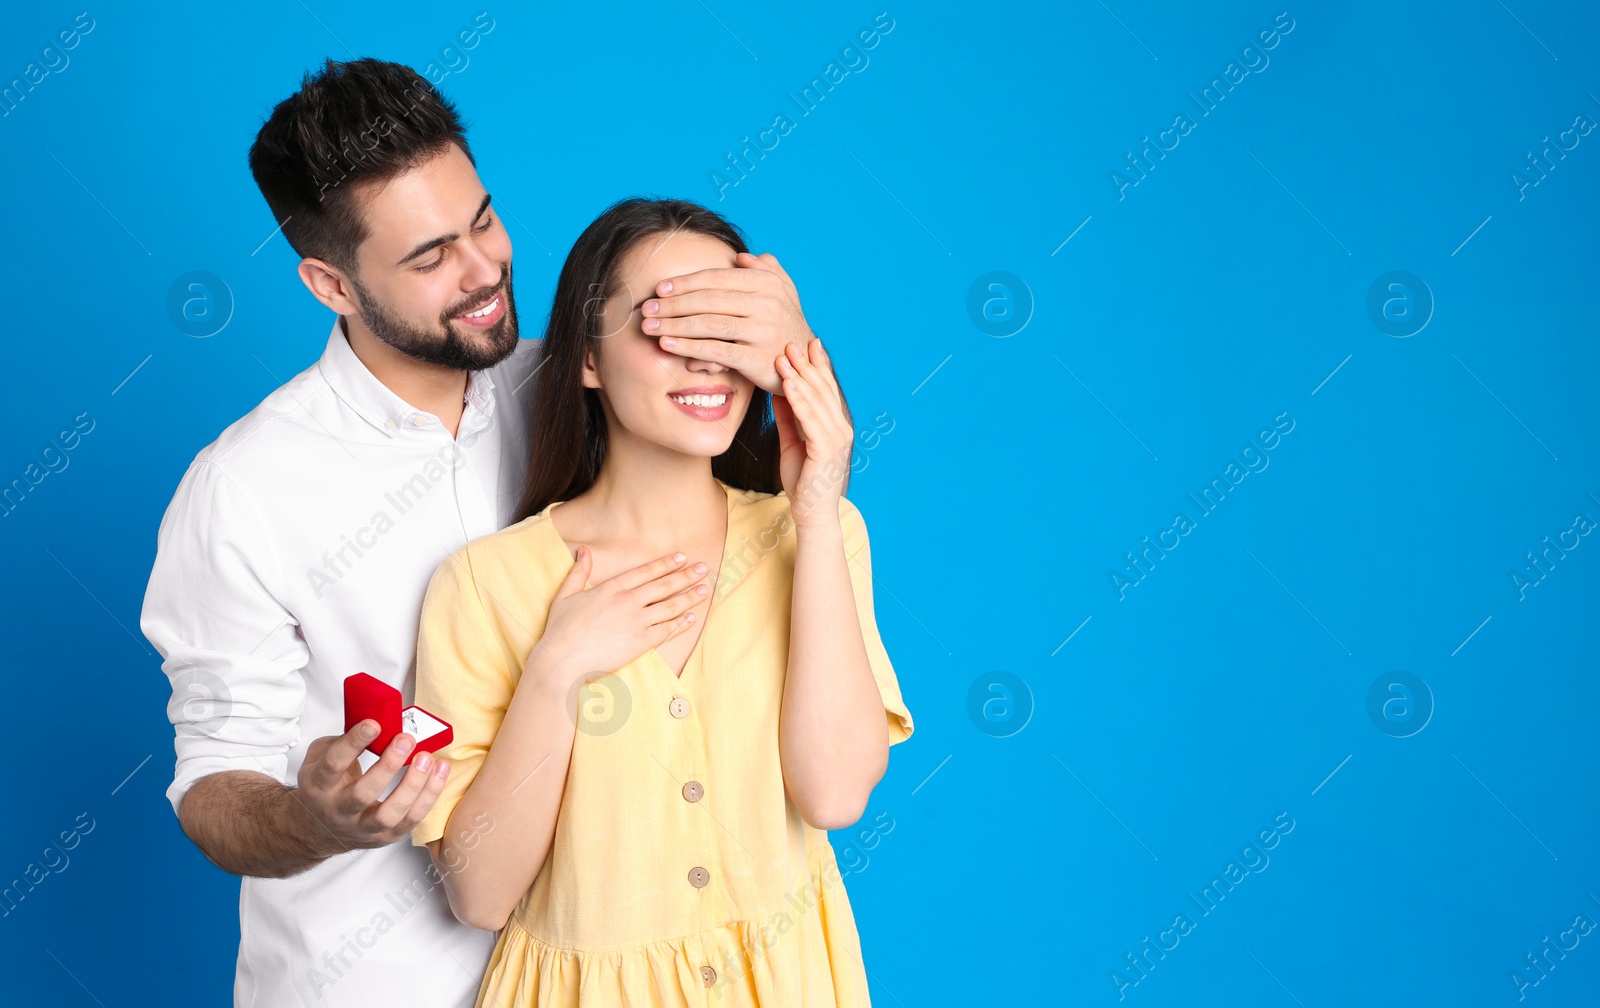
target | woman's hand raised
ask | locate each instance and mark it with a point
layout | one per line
(596, 630)
(814, 436)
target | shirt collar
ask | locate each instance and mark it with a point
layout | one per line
(375, 402)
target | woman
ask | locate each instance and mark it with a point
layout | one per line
(644, 766)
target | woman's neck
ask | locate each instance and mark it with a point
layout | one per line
(659, 502)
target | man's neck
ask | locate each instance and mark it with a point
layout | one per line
(427, 387)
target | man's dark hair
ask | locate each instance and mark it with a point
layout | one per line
(361, 121)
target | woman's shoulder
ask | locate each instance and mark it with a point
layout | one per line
(513, 557)
(775, 511)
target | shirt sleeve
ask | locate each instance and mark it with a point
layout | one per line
(466, 674)
(231, 651)
(858, 550)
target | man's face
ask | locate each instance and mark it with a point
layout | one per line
(435, 257)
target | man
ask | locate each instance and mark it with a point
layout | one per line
(298, 546)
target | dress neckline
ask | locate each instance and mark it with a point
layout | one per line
(560, 544)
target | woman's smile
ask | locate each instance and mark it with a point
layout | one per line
(704, 402)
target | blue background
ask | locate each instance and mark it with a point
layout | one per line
(1086, 758)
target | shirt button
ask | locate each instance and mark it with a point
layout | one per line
(698, 877)
(679, 707)
(389, 423)
(692, 791)
(420, 420)
(709, 975)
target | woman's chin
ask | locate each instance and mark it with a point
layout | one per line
(702, 448)
(702, 438)
(709, 444)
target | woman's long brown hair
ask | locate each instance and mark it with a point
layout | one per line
(569, 436)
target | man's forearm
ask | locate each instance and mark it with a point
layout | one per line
(246, 823)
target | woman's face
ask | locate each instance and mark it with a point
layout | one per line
(641, 384)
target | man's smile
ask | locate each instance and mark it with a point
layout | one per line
(486, 315)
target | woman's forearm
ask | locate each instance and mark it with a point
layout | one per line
(833, 739)
(518, 792)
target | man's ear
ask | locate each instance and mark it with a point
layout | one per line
(329, 285)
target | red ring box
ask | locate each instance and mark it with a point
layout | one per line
(367, 697)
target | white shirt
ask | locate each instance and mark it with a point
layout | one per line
(296, 553)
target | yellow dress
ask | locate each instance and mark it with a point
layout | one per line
(680, 873)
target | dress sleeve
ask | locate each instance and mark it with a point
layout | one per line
(466, 674)
(858, 550)
(232, 651)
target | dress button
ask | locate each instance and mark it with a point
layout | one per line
(679, 707)
(709, 975)
(692, 791)
(698, 877)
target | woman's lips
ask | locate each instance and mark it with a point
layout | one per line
(706, 412)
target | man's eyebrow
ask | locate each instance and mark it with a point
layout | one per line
(434, 243)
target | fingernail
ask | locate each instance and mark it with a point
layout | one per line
(369, 730)
(651, 325)
(442, 768)
(679, 558)
(669, 341)
(651, 306)
(423, 762)
(666, 287)
(404, 743)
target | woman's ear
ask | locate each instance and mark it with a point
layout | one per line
(591, 372)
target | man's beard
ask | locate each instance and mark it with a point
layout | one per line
(444, 346)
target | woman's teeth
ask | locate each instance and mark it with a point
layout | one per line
(701, 400)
